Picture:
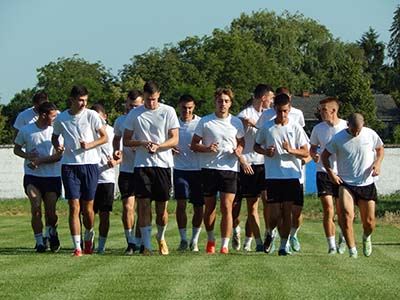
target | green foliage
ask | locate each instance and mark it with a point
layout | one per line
(394, 43)
(396, 134)
(5, 132)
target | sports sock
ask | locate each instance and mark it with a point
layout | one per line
(225, 243)
(210, 236)
(182, 233)
(352, 250)
(129, 236)
(102, 243)
(161, 232)
(89, 234)
(259, 241)
(76, 240)
(247, 242)
(195, 234)
(53, 230)
(47, 232)
(236, 230)
(331, 242)
(146, 234)
(293, 231)
(283, 244)
(39, 239)
(137, 241)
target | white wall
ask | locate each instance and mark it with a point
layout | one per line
(11, 173)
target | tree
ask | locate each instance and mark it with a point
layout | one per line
(5, 133)
(394, 43)
(374, 52)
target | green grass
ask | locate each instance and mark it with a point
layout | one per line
(310, 274)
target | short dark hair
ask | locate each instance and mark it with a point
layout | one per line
(134, 94)
(328, 100)
(98, 107)
(225, 91)
(151, 87)
(261, 89)
(46, 107)
(282, 90)
(78, 91)
(281, 100)
(39, 96)
(186, 98)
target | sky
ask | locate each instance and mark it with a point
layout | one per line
(35, 33)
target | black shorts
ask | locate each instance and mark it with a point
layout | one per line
(126, 184)
(153, 183)
(104, 198)
(367, 192)
(325, 186)
(187, 185)
(250, 186)
(43, 184)
(80, 181)
(218, 181)
(283, 190)
(299, 201)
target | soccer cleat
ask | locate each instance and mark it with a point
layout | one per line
(182, 246)
(294, 243)
(367, 247)
(162, 247)
(147, 252)
(332, 251)
(89, 247)
(77, 253)
(353, 255)
(260, 248)
(236, 241)
(342, 246)
(54, 243)
(283, 252)
(210, 248)
(224, 250)
(130, 249)
(267, 243)
(194, 247)
(40, 248)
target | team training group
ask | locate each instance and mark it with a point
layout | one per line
(258, 155)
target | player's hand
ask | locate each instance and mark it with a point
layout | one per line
(60, 149)
(286, 146)
(175, 150)
(316, 157)
(376, 170)
(270, 151)
(213, 147)
(111, 162)
(247, 169)
(117, 155)
(84, 145)
(335, 179)
(33, 154)
(237, 152)
(152, 148)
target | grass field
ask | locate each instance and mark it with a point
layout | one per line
(310, 274)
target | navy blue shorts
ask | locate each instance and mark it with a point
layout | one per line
(104, 198)
(284, 190)
(43, 184)
(153, 183)
(126, 184)
(80, 181)
(187, 185)
(219, 181)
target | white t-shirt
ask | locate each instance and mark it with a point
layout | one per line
(282, 165)
(32, 138)
(187, 159)
(248, 153)
(225, 132)
(355, 155)
(72, 128)
(321, 134)
(152, 125)
(106, 174)
(26, 116)
(295, 115)
(128, 154)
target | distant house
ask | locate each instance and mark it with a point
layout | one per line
(387, 111)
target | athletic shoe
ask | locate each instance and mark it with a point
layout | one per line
(354, 255)
(260, 248)
(182, 246)
(46, 242)
(283, 252)
(224, 250)
(77, 253)
(194, 247)
(210, 248)
(54, 243)
(236, 241)
(267, 243)
(89, 247)
(40, 248)
(367, 247)
(147, 252)
(162, 247)
(287, 249)
(332, 251)
(247, 248)
(130, 249)
(341, 246)
(294, 243)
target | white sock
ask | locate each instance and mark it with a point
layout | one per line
(47, 232)
(102, 243)
(129, 236)
(161, 232)
(366, 238)
(259, 241)
(331, 242)
(146, 234)
(283, 244)
(352, 250)
(293, 231)
(195, 234)
(39, 239)
(89, 234)
(225, 243)
(247, 241)
(210, 236)
(182, 233)
(236, 230)
(76, 240)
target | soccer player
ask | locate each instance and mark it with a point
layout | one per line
(283, 143)
(219, 138)
(126, 176)
(104, 197)
(251, 178)
(187, 174)
(83, 131)
(42, 179)
(328, 192)
(359, 154)
(153, 130)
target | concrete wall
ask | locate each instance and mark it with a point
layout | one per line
(11, 174)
